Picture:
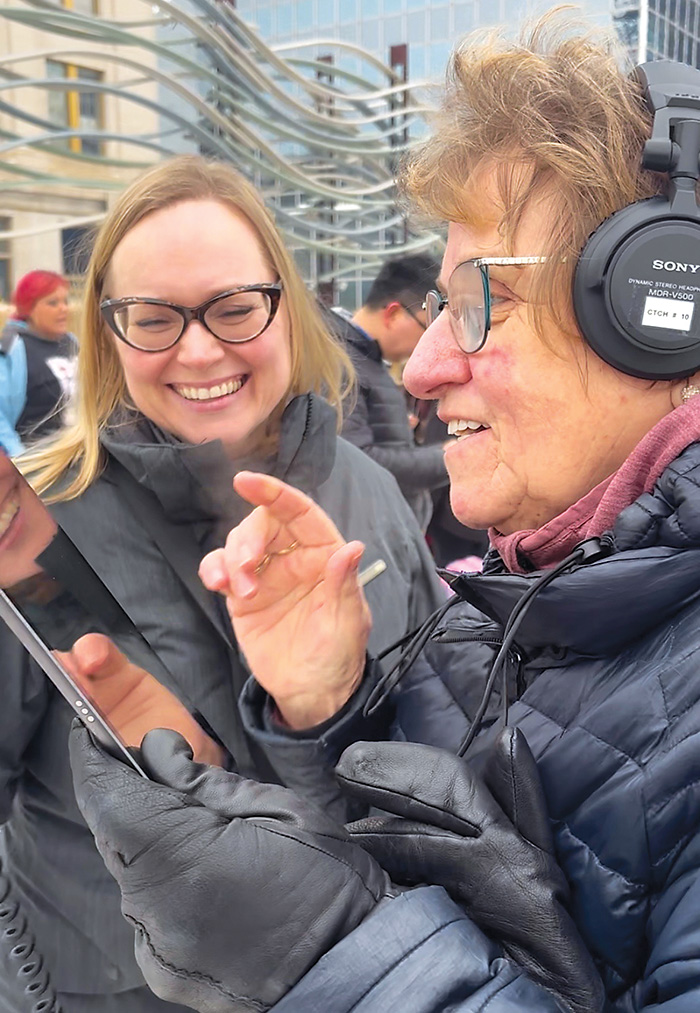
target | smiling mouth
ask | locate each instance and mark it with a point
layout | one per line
(191, 393)
(10, 509)
(462, 428)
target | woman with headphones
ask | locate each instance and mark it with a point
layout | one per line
(570, 842)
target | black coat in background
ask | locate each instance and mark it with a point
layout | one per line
(377, 423)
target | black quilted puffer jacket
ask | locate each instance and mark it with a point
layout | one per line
(608, 671)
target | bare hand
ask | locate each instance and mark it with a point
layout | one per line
(297, 610)
(132, 700)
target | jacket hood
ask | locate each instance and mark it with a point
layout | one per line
(9, 334)
(193, 482)
(595, 609)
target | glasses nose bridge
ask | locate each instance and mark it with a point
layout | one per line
(189, 316)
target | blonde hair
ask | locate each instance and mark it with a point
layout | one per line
(318, 361)
(556, 118)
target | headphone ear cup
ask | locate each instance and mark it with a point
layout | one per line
(636, 291)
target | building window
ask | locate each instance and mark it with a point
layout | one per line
(75, 110)
(5, 264)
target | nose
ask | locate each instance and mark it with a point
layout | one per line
(198, 348)
(435, 362)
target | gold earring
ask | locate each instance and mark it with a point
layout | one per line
(690, 390)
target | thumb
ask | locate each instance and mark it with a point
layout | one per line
(93, 656)
(341, 572)
(420, 783)
(510, 773)
(167, 759)
(121, 808)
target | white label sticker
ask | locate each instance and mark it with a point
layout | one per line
(672, 314)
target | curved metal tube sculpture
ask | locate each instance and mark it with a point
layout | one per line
(320, 142)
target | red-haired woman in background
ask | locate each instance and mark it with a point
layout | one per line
(39, 323)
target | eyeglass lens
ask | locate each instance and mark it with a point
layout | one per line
(238, 317)
(467, 305)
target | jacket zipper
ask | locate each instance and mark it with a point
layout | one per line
(515, 658)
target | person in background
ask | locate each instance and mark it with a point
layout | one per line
(385, 330)
(579, 447)
(13, 389)
(39, 359)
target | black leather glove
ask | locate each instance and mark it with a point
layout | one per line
(235, 888)
(498, 864)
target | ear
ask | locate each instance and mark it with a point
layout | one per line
(683, 390)
(390, 312)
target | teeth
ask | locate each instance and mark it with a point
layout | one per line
(9, 511)
(460, 427)
(208, 393)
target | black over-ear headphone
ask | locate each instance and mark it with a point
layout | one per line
(637, 282)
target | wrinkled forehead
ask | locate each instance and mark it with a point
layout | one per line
(505, 215)
(495, 190)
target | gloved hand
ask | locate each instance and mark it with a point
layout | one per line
(499, 865)
(235, 888)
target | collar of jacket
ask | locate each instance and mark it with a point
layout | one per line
(193, 482)
(651, 575)
(364, 343)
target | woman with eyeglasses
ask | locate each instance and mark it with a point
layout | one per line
(570, 842)
(201, 353)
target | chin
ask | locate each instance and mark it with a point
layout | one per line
(470, 504)
(469, 515)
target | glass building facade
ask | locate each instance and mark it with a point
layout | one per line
(414, 37)
(673, 31)
(429, 28)
(660, 29)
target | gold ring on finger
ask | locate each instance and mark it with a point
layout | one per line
(280, 552)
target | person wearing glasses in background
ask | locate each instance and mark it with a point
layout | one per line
(201, 352)
(571, 841)
(384, 331)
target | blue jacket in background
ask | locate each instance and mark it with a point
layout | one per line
(13, 388)
(607, 670)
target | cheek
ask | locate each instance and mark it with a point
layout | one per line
(141, 371)
(273, 358)
(497, 369)
(533, 391)
(499, 380)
